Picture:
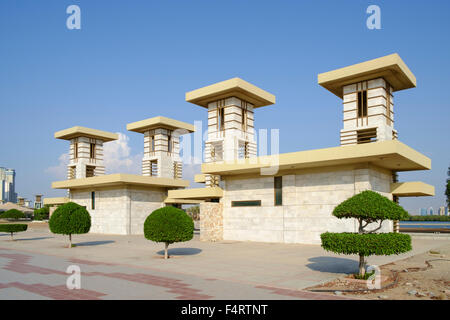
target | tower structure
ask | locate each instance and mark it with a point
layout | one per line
(366, 90)
(86, 151)
(231, 126)
(161, 146)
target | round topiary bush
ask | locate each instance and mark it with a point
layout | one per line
(13, 214)
(41, 214)
(168, 225)
(70, 218)
(368, 207)
(12, 228)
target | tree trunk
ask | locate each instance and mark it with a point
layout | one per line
(362, 265)
(12, 236)
(166, 255)
(70, 241)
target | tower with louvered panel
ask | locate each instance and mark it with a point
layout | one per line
(231, 127)
(366, 90)
(161, 146)
(86, 151)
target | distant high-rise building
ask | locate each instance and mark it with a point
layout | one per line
(38, 201)
(446, 211)
(441, 211)
(430, 211)
(8, 185)
(423, 211)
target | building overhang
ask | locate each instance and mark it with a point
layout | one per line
(392, 155)
(412, 189)
(160, 122)
(196, 193)
(78, 131)
(55, 201)
(120, 179)
(235, 87)
(182, 201)
(391, 68)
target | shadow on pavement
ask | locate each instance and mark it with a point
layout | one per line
(37, 238)
(333, 265)
(181, 251)
(93, 243)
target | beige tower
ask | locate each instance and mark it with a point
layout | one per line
(231, 133)
(86, 151)
(161, 146)
(366, 90)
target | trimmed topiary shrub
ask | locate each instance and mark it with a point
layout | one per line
(168, 225)
(68, 219)
(13, 214)
(12, 228)
(368, 207)
(41, 214)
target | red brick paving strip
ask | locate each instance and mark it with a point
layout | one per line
(20, 263)
(55, 292)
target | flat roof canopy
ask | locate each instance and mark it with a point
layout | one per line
(55, 201)
(412, 189)
(235, 87)
(391, 68)
(196, 193)
(78, 131)
(119, 179)
(159, 122)
(391, 154)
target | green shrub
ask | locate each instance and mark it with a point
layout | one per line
(68, 219)
(168, 225)
(12, 214)
(12, 228)
(367, 244)
(368, 207)
(428, 218)
(41, 214)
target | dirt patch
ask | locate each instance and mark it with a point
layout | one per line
(421, 277)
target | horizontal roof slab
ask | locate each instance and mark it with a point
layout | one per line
(391, 154)
(55, 201)
(196, 193)
(119, 179)
(412, 189)
(235, 87)
(78, 131)
(391, 68)
(159, 122)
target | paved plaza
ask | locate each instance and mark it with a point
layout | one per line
(131, 267)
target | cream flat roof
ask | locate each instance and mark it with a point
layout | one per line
(412, 189)
(183, 201)
(390, 67)
(78, 131)
(199, 178)
(391, 154)
(55, 201)
(233, 87)
(196, 193)
(119, 179)
(159, 122)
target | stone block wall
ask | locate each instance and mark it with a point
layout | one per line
(119, 210)
(309, 197)
(211, 221)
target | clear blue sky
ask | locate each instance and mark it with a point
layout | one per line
(132, 60)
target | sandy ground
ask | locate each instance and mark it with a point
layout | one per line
(424, 276)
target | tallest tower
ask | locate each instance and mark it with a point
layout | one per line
(367, 93)
(231, 122)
